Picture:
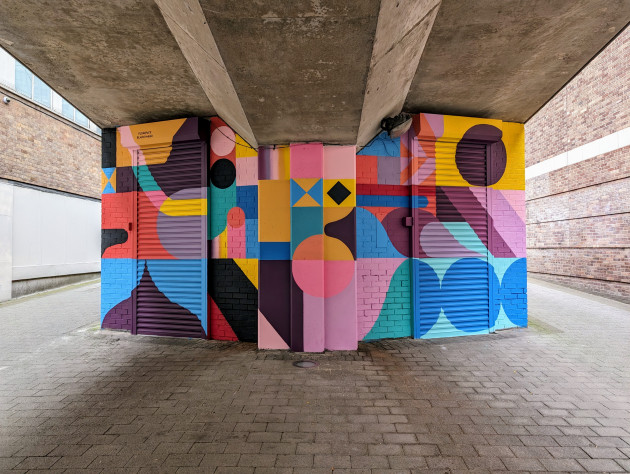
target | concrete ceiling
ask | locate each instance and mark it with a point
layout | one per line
(115, 60)
(505, 59)
(306, 70)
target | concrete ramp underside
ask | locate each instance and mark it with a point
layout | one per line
(324, 70)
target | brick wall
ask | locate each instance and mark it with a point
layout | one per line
(118, 235)
(118, 280)
(578, 216)
(47, 151)
(118, 227)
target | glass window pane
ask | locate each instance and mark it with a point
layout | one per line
(94, 128)
(41, 92)
(23, 80)
(67, 110)
(80, 119)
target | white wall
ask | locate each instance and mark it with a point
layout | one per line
(54, 234)
(6, 239)
(7, 69)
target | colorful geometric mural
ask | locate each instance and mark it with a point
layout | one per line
(307, 248)
(449, 195)
(313, 247)
(154, 220)
(232, 236)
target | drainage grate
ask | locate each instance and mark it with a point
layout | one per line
(305, 364)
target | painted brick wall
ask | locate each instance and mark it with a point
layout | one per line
(384, 294)
(118, 274)
(117, 282)
(396, 315)
(38, 149)
(232, 236)
(578, 216)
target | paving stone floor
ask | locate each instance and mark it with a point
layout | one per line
(553, 397)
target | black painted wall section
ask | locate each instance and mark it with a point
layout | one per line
(236, 297)
(111, 237)
(108, 148)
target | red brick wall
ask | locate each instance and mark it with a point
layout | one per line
(578, 217)
(594, 104)
(38, 149)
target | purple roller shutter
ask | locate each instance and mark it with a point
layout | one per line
(171, 297)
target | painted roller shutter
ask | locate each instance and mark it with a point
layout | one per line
(450, 270)
(171, 298)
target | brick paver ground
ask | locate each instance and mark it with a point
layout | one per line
(553, 397)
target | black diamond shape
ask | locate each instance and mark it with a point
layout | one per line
(339, 193)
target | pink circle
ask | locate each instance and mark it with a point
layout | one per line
(222, 141)
(337, 275)
(323, 277)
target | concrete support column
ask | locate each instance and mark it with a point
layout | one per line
(307, 247)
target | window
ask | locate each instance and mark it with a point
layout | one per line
(23, 80)
(15, 76)
(81, 119)
(67, 110)
(41, 92)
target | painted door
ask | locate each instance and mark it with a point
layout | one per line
(450, 278)
(171, 208)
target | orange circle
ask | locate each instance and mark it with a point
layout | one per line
(236, 217)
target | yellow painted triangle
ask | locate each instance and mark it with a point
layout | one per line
(112, 180)
(104, 181)
(306, 201)
(223, 248)
(250, 269)
(306, 183)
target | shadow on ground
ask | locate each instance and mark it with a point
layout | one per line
(553, 397)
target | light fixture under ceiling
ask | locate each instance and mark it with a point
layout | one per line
(397, 125)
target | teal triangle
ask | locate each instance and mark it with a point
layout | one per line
(109, 189)
(296, 192)
(317, 192)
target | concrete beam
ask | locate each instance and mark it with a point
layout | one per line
(298, 66)
(401, 34)
(188, 25)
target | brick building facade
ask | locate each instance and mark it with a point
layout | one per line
(578, 179)
(50, 186)
(39, 148)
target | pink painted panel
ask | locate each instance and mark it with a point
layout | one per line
(508, 224)
(339, 162)
(307, 160)
(373, 278)
(313, 323)
(247, 171)
(341, 319)
(268, 338)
